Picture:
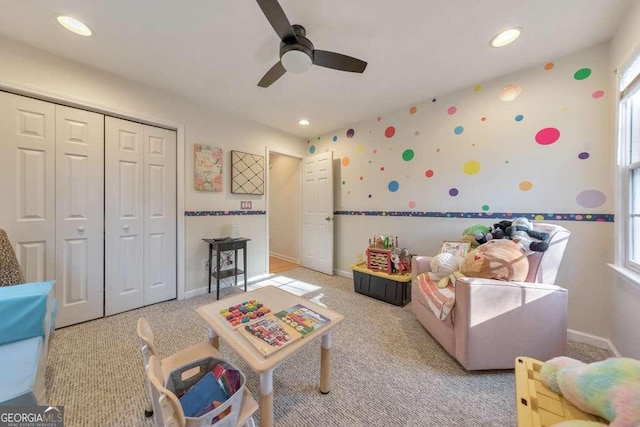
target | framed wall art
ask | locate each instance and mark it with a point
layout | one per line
(208, 168)
(247, 173)
(459, 249)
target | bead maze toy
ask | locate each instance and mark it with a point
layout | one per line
(242, 314)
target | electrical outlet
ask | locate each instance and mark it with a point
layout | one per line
(205, 264)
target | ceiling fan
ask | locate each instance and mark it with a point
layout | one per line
(296, 50)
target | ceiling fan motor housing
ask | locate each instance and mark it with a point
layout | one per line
(296, 54)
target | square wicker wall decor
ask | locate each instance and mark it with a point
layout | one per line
(247, 173)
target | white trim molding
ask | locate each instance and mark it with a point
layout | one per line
(593, 340)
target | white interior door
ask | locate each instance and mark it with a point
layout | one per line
(159, 215)
(27, 179)
(124, 215)
(79, 215)
(317, 212)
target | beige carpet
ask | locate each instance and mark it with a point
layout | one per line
(386, 369)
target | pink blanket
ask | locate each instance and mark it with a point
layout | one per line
(440, 301)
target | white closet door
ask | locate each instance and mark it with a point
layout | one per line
(124, 215)
(160, 215)
(79, 215)
(27, 182)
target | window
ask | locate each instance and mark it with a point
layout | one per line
(629, 166)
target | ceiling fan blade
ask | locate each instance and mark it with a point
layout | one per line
(272, 75)
(277, 18)
(338, 61)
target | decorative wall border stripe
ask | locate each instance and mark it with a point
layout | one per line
(582, 217)
(223, 213)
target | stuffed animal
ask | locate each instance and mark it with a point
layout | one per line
(444, 269)
(496, 259)
(476, 235)
(400, 260)
(609, 389)
(521, 231)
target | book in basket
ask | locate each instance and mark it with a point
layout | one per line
(302, 319)
(269, 334)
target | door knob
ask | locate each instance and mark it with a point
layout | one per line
(81, 229)
(125, 227)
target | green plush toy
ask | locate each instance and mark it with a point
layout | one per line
(476, 235)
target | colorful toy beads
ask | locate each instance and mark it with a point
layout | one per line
(245, 312)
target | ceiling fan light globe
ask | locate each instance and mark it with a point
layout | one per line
(295, 61)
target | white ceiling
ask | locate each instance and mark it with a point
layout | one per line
(216, 51)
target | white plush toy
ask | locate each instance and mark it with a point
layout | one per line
(445, 267)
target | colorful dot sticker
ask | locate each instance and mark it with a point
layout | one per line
(393, 186)
(369, 195)
(335, 138)
(389, 132)
(485, 208)
(483, 119)
(525, 185)
(519, 118)
(378, 118)
(381, 168)
(583, 156)
(549, 66)
(582, 73)
(360, 148)
(413, 110)
(350, 133)
(344, 182)
(547, 136)
(598, 94)
(451, 110)
(412, 204)
(417, 133)
(591, 198)
(472, 167)
(361, 178)
(428, 173)
(312, 149)
(477, 88)
(458, 130)
(345, 161)
(407, 155)
(453, 192)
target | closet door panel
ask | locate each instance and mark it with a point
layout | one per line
(124, 215)
(79, 215)
(160, 215)
(27, 174)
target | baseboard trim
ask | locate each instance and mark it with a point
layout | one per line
(195, 292)
(593, 340)
(348, 274)
(284, 257)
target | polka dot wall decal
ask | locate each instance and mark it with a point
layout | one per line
(453, 192)
(451, 110)
(378, 118)
(389, 132)
(375, 151)
(539, 217)
(335, 138)
(345, 161)
(547, 136)
(483, 119)
(519, 118)
(583, 156)
(407, 155)
(393, 186)
(472, 167)
(412, 204)
(312, 149)
(382, 168)
(549, 66)
(458, 130)
(318, 138)
(437, 150)
(428, 173)
(350, 133)
(591, 198)
(369, 195)
(361, 178)
(360, 148)
(433, 100)
(582, 73)
(525, 185)
(344, 182)
(485, 207)
(477, 88)
(417, 133)
(413, 110)
(598, 94)
(510, 93)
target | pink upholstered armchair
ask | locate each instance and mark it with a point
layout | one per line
(493, 322)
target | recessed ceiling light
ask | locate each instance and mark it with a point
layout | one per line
(505, 37)
(303, 122)
(74, 25)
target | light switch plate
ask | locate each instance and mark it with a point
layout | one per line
(245, 205)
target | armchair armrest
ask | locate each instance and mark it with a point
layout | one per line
(498, 320)
(420, 264)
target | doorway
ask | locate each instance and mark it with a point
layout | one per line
(284, 212)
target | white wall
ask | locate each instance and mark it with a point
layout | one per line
(23, 66)
(411, 172)
(285, 210)
(625, 304)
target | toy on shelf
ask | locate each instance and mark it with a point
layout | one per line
(383, 254)
(244, 313)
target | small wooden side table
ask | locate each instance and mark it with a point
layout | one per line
(222, 245)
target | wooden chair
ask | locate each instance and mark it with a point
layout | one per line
(161, 408)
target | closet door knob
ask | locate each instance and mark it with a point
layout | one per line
(81, 229)
(125, 227)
